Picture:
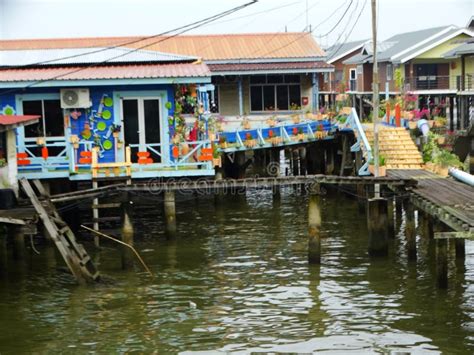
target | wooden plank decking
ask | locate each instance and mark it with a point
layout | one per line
(449, 200)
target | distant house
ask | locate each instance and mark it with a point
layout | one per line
(122, 92)
(344, 77)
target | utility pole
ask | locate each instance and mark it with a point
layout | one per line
(375, 96)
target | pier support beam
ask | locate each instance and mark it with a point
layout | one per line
(170, 213)
(17, 236)
(127, 231)
(377, 223)
(410, 230)
(442, 262)
(314, 226)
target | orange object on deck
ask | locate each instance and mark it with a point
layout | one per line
(44, 153)
(398, 115)
(143, 155)
(175, 151)
(22, 155)
(22, 158)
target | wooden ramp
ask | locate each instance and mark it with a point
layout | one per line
(397, 146)
(450, 201)
(74, 254)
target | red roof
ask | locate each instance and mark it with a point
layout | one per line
(238, 67)
(141, 71)
(7, 120)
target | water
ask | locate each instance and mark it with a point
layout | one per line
(236, 279)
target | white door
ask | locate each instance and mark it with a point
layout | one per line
(142, 125)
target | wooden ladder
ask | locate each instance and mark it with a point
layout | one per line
(74, 254)
(97, 205)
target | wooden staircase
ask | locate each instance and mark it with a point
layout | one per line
(73, 253)
(397, 146)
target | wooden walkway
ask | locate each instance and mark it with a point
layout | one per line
(448, 200)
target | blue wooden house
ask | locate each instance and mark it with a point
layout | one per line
(103, 112)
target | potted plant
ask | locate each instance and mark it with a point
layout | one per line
(271, 122)
(119, 144)
(184, 147)
(382, 169)
(246, 123)
(440, 121)
(295, 118)
(300, 135)
(216, 157)
(319, 132)
(115, 130)
(223, 142)
(249, 141)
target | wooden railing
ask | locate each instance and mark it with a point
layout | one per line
(49, 154)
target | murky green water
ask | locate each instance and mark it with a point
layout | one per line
(243, 264)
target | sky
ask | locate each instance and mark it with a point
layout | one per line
(87, 18)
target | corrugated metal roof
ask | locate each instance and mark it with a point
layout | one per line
(339, 49)
(8, 120)
(139, 71)
(68, 56)
(313, 66)
(403, 41)
(208, 47)
(466, 48)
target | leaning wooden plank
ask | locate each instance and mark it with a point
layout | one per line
(9, 220)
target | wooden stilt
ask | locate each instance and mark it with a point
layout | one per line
(391, 218)
(17, 236)
(410, 230)
(330, 160)
(442, 262)
(377, 224)
(361, 198)
(170, 213)
(314, 224)
(127, 231)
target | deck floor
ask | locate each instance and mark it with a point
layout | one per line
(454, 196)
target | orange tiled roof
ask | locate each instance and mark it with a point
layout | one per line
(208, 47)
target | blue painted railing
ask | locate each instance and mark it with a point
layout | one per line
(174, 163)
(285, 132)
(57, 159)
(354, 123)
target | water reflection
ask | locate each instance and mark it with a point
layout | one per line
(236, 279)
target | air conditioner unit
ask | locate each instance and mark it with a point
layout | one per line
(75, 98)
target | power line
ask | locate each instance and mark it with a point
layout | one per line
(310, 32)
(186, 29)
(350, 32)
(183, 29)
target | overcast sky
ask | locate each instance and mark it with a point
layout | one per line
(82, 18)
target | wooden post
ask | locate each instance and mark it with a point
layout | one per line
(460, 248)
(410, 230)
(361, 198)
(330, 160)
(127, 231)
(344, 154)
(303, 162)
(170, 213)
(427, 226)
(442, 262)
(314, 226)
(12, 160)
(390, 218)
(377, 223)
(17, 235)
(296, 161)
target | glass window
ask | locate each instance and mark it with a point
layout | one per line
(269, 98)
(53, 118)
(282, 97)
(256, 98)
(295, 95)
(389, 71)
(292, 79)
(214, 100)
(258, 79)
(274, 79)
(34, 108)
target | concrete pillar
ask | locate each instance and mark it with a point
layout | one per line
(17, 236)
(12, 161)
(127, 231)
(377, 223)
(442, 262)
(410, 230)
(314, 226)
(170, 213)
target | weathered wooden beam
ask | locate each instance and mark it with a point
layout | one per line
(454, 235)
(9, 220)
